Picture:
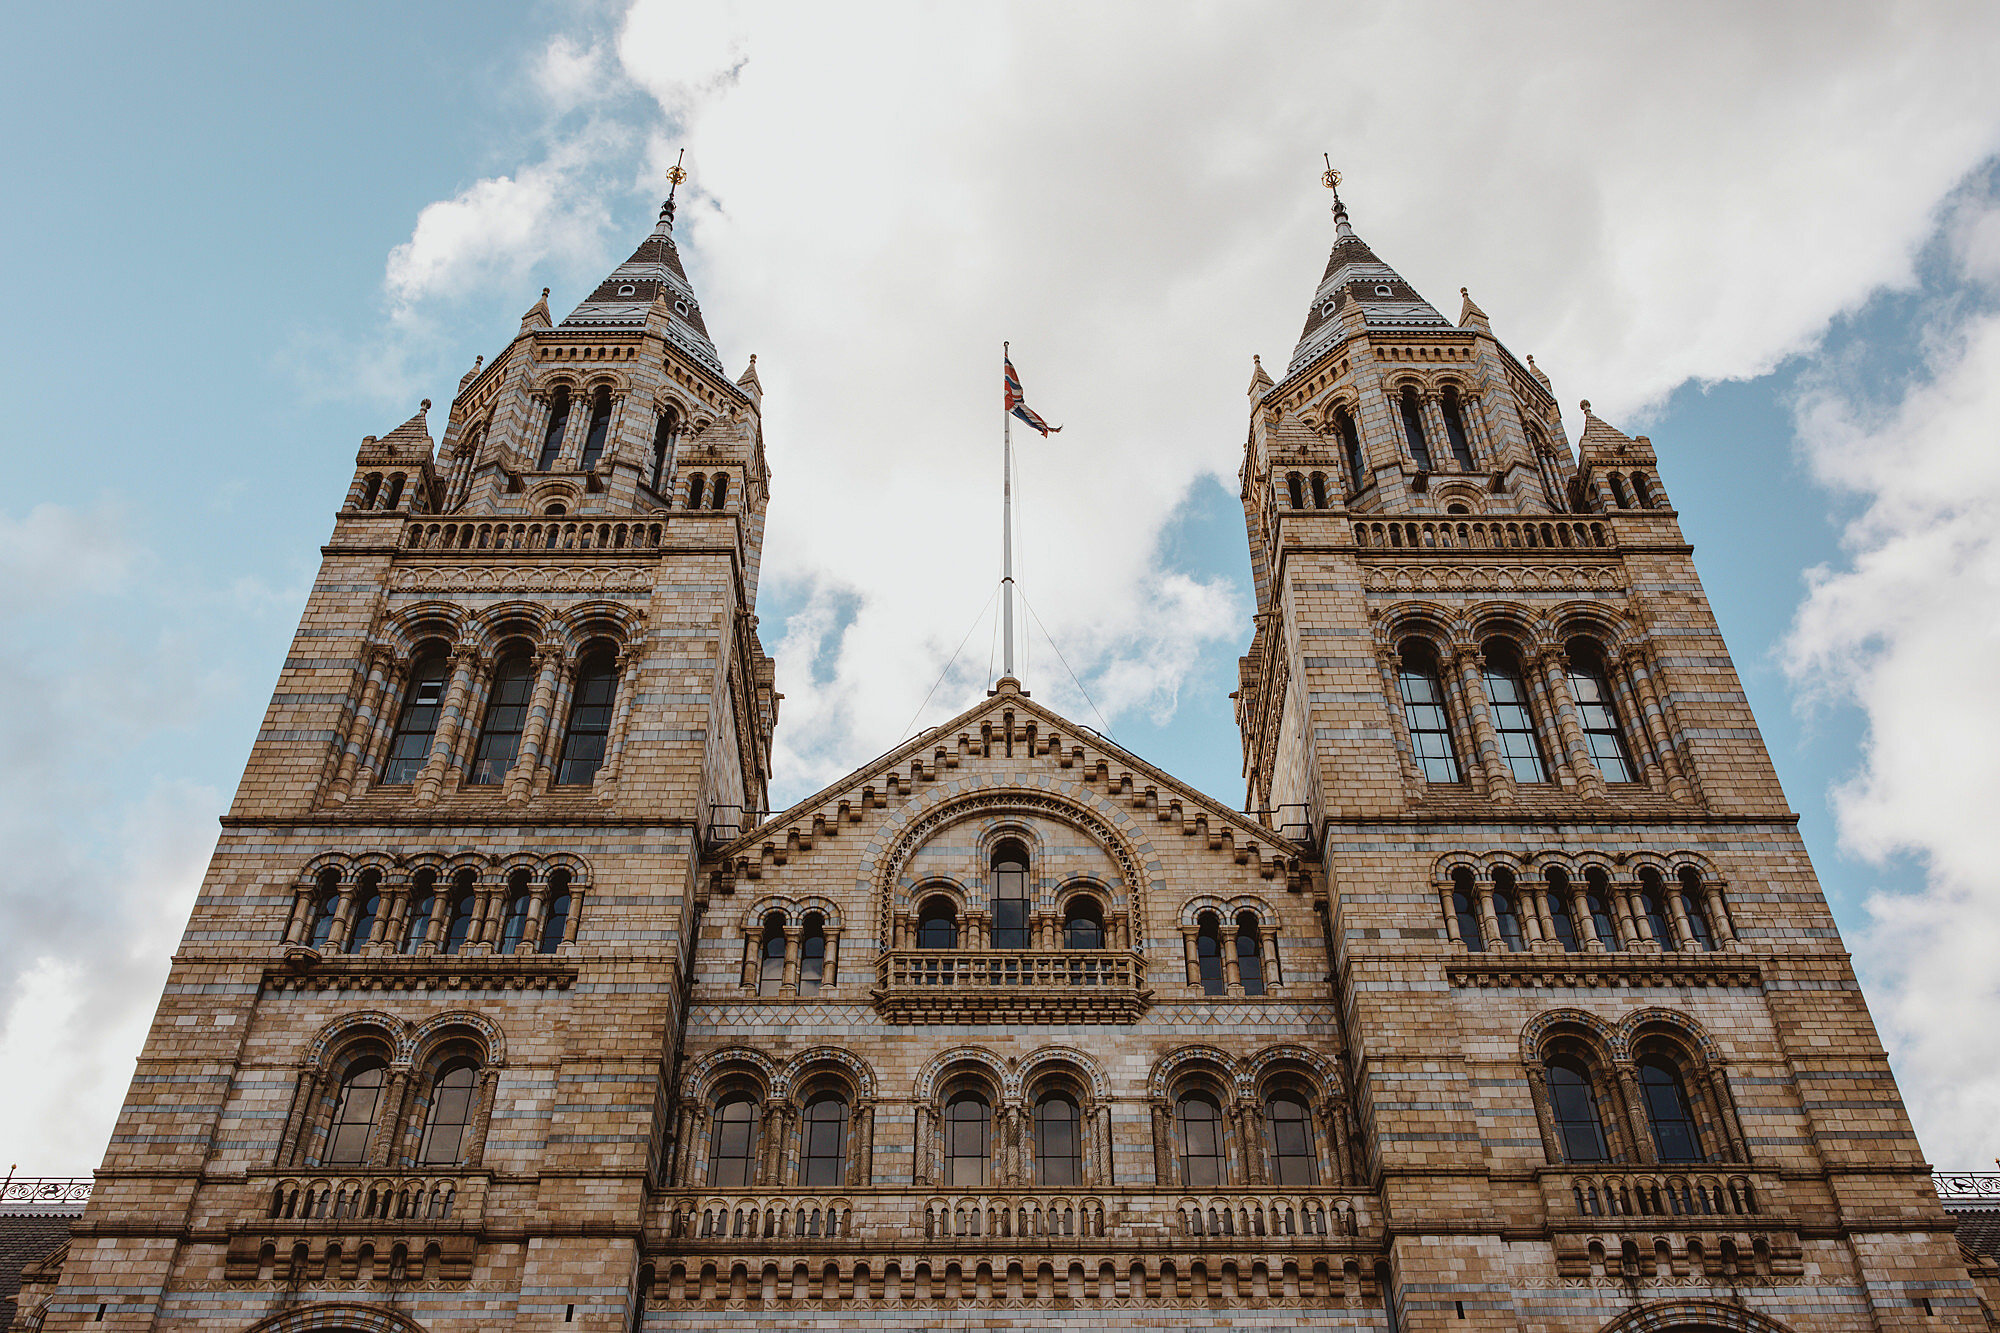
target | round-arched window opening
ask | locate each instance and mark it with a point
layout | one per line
(937, 925)
(1294, 1160)
(556, 509)
(1573, 1105)
(825, 1140)
(1198, 1123)
(681, 308)
(1084, 926)
(1456, 509)
(1058, 1143)
(968, 1126)
(1382, 289)
(733, 1141)
(1668, 1111)
(628, 289)
(450, 1116)
(1010, 895)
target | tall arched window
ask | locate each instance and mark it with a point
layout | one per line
(1667, 1110)
(514, 925)
(589, 728)
(464, 909)
(1597, 900)
(1694, 901)
(506, 714)
(1083, 926)
(694, 490)
(1465, 906)
(1454, 427)
(1289, 1128)
(824, 1128)
(937, 924)
(1350, 443)
(423, 906)
(1423, 712)
(555, 916)
(1010, 895)
(600, 428)
(1618, 491)
(1506, 912)
(395, 496)
(325, 910)
(665, 431)
(1319, 490)
(1295, 490)
(1573, 1106)
(449, 1117)
(1058, 1142)
(371, 490)
(732, 1151)
(417, 723)
(1208, 955)
(354, 1113)
(552, 439)
(1249, 954)
(1652, 902)
(1598, 714)
(1413, 428)
(968, 1125)
(1560, 917)
(1641, 491)
(1198, 1127)
(367, 910)
(771, 967)
(718, 493)
(1513, 722)
(812, 955)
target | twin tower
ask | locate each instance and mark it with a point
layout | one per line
(1512, 1002)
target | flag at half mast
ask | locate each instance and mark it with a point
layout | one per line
(1018, 405)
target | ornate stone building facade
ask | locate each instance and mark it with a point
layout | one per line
(1514, 1004)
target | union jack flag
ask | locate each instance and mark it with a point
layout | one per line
(1018, 405)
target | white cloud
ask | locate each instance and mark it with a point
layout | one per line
(1908, 629)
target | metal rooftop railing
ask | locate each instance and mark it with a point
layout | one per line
(38, 1196)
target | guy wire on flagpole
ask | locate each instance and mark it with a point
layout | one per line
(1007, 521)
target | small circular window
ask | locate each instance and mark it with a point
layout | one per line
(680, 307)
(628, 290)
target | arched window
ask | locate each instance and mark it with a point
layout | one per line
(1249, 954)
(325, 910)
(1208, 955)
(367, 910)
(1010, 895)
(1289, 1128)
(1618, 491)
(1413, 429)
(825, 1134)
(589, 729)
(1198, 1126)
(812, 955)
(1513, 723)
(695, 484)
(1465, 906)
(968, 1125)
(1573, 1106)
(1423, 712)
(771, 968)
(1319, 490)
(506, 714)
(1506, 914)
(1695, 903)
(600, 428)
(1597, 900)
(937, 924)
(558, 423)
(718, 490)
(423, 906)
(1652, 902)
(395, 496)
(1454, 427)
(1295, 488)
(1667, 1111)
(1597, 713)
(354, 1113)
(732, 1149)
(555, 916)
(1350, 443)
(1560, 916)
(1083, 928)
(464, 908)
(1641, 491)
(417, 723)
(665, 432)
(371, 490)
(1058, 1143)
(514, 925)
(449, 1117)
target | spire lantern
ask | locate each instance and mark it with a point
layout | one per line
(1330, 178)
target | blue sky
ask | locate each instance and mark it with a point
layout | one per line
(249, 235)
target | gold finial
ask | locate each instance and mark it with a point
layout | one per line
(676, 173)
(1329, 178)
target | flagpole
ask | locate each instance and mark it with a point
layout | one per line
(1007, 521)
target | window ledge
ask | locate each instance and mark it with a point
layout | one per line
(308, 971)
(1592, 971)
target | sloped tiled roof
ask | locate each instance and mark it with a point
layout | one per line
(654, 271)
(1355, 275)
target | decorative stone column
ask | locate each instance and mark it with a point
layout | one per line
(473, 1150)
(1635, 1115)
(1163, 1144)
(1470, 668)
(1250, 1118)
(1538, 1093)
(1488, 918)
(361, 729)
(789, 985)
(1718, 914)
(626, 667)
(1188, 936)
(1232, 972)
(392, 1121)
(1579, 912)
(1450, 915)
(303, 1097)
(1654, 718)
(445, 739)
(528, 762)
(1537, 898)
(861, 1156)
(1390, 664)
(1553, 668)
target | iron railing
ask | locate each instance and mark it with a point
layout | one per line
(22, 1196)
(1967, 1186)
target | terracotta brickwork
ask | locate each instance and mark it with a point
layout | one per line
(1513, 1003)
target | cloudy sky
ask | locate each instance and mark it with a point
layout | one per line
(1768, 235)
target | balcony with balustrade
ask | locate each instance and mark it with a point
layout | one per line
(1012, 986)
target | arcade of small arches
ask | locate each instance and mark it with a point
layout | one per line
(791, 948)
(426, 905)
(1580, 905)
(1231, 948)
(1651, 1091)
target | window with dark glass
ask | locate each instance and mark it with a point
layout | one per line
(1641, 491)
(732, 1150)
(552, 441)
(1573, 1105)
(1454, 427)
(1058, 1144)
(771, 967)
(417, 723)
(1249, 955)
(1010, 896)
(396, 484)
(1696, 904)
(367, 911)
(1350, 442)
(449, 1117)
(937, 925)
(514, 924)
(1423, 712)
(812, 956)
(718, 490)
(1082, 929)
(1652, 902)
(423, 905)
(555, 916)
(589, 727)
(1293, 1160)
(1295, 490)
(1597, 900)
(1513, 723)
(600, 429)
(506, 714)
(1667, 1111)
(464, 907)
(1413, 429)
(1598, 716)
(1506, 917)
(664, 432)
(968, 1126)
(354, 1113)
(1560, 917)
(694, 490)
(1208, 956)
(1465, 906)
(825, 1141)
(1198, 1126)
(325, 910)
(1319, 490)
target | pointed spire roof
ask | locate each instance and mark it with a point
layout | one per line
(1600, 436)
(1356, 279)
(653, 272)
